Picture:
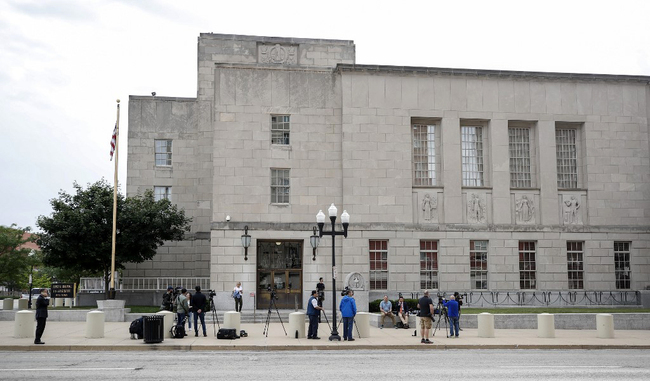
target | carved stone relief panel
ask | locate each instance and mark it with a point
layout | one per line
(571, 206)
(428, 208)
(277, 54)
(525, 211)
(355, 281)
(476, 207)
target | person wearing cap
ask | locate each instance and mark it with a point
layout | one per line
(167, 299)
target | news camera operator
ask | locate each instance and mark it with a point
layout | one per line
(459, 298)
(313, 311)
(452, 314)
(168, 299)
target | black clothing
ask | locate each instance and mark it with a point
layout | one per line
(167, 301)
(41, 317)
(198, 302)
(424, 303)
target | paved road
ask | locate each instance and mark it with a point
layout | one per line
(499, 365)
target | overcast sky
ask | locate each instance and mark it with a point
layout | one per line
(64, 63)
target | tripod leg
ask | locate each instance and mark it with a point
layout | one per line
(354, 321)
(279, 317)
(327, 320)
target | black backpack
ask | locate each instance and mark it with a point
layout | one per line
(136, 328)
(178, 330)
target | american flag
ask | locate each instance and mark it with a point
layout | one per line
(113, 141)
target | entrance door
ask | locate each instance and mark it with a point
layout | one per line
(279, 268)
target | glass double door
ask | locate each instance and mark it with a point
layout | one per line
(279, 271)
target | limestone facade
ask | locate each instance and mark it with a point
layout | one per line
(350, 142)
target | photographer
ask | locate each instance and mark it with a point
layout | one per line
(452, 314)
(348, 308)
(459, 299)
(313, 311)
(167, 299)
(425, 304)
(320, 287)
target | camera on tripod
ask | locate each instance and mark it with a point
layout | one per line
(273, 290)
(211, 293)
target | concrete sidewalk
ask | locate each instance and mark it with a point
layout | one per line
(70, 336)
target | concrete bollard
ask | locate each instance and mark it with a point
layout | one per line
(68, 302)
(297, 323)
(546, 325)
(168, 322)
(605, 326)
(24, 326)
(7, 304)
(232, 319)
(23, 303)
(417, 327)
(485, 325)
(363, 324)
(58, 302)
(95, 325)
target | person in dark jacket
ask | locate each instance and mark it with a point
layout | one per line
(320, 287)
(348, 309)
(403, 312)
(167, 302)
(198, 307)
(313, 310)
(459, 298)
(41, 315)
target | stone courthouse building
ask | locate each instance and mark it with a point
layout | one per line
(454, 179)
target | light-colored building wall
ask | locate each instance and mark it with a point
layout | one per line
(351, 144)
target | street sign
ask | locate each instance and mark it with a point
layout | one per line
(62, 290)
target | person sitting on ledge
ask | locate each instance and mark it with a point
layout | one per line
(403, 312)
(386, 308)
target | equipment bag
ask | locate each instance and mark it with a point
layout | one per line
(227, 333)
(136, 329)
(178, 329)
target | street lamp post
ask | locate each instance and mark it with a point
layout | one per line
(345, 220)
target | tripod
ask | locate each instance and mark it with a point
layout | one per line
(442, 315)
(215, 316)
(354, 321)
(268, 316)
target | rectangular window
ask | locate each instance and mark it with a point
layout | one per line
(527, 265)
(425, 155)
(622, 265)
(280, 182)
(160, 193)
(472, 156)
(280, 129)
(567, 157)
(575, 265)
(378, 250)
(478, 272)
(428, 265)
(521, 165)
(163, 152)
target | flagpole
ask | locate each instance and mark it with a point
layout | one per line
(111, 292)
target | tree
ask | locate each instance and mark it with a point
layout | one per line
(15, 261)
(78, 234)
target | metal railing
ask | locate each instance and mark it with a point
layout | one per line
(145, 283)
(551, 298)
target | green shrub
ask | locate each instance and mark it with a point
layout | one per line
(374, 305)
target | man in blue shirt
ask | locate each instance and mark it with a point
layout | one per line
(386, 309)
(452, 313)
(313, 310)
(348, 309)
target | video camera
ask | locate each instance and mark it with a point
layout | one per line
(273, 290)
(211, 293)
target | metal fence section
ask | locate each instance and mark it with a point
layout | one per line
(550, 298)
(145, 284)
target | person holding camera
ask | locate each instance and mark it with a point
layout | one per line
(237, 294)
(459, 299)
(403, 312)
(313, 311)
(348, 308)
(386, 308)
(168, 298)
(198, 307)
(425, 304)
(452, 314)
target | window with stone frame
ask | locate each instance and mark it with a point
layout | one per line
(378, 253)
(162, 192)
(527, 265)
(575, 265)
(428, 264)
(426, 152)
(473, 146)
(522, 150)
(163, 152)
(280, 129)
(280, 186)
(478, 270)
(622, 269)
(568, 156)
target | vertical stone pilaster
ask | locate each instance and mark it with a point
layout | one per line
(451, 170)
(547, 173)
(501, 213)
